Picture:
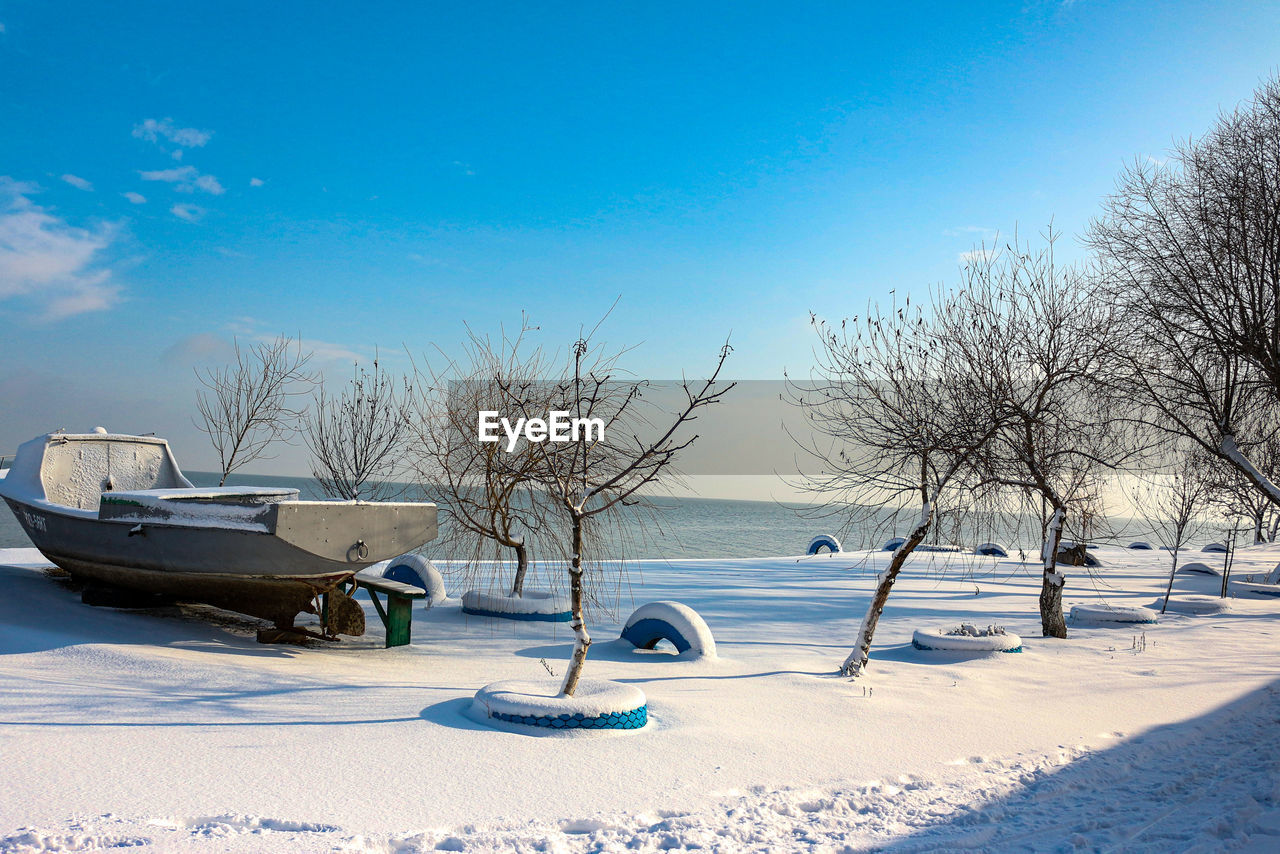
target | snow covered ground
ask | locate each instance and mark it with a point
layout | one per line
(173, 729)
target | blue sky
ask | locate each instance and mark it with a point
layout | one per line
(375, 174)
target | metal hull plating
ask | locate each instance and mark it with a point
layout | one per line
(250, 572)
(116, 509)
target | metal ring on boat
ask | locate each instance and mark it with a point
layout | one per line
(361, 550)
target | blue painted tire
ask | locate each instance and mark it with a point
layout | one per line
(598, 704)
(827, 541)
(418, 571)
(645, 634)
(1104, 614)
(561, 617)
(670, 621)
(938, 640)
(536, 605)
(893, 543)
(634, 719)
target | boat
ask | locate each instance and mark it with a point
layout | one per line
(116, 511)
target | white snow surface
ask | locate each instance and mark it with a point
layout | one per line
(173, 730)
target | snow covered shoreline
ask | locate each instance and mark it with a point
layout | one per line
(174, 729)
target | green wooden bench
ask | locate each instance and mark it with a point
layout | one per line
(397, 614)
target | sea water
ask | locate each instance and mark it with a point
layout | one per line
(682, 528)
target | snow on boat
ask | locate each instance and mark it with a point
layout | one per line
(116, 510)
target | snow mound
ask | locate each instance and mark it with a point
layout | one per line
(1199, 606)
(596, 704)
(539, 605)
(1217, 548)
(671, 621)
(893, 544)
(1113, 614)
(1255, 589)
(1140, 545)
(966, 638)
(1202, 568)
(991, 550)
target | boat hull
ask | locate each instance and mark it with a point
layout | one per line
(251, 572)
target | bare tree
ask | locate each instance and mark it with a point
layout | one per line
(600, 475)
(893, 426)
(1172, 502)
(247, 405)
(357, 438)
(1036, 340)
(1193, 258)
(1238, 496)
(487, 492)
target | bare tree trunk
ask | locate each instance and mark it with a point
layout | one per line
(857, 660)
(522, 565)
(1168, 590)
(582, 640)
(1258, 537)
(1052, 623)
(1229, 450)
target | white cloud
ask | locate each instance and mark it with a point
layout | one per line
(199, 347)
(176, 154)
(325, 351)
(964, 230)
(185, 179)
(153, 131)
(78, 182)
(190, 213)
(210, 184)
(136, 198)
(245, 325)
(47, 261)
(254, 329)
(82, 298)
(256, 182)
(1, 28)
(976, 256)
(213, 347)
(178, 174)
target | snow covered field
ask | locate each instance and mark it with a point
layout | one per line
(174, 729)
